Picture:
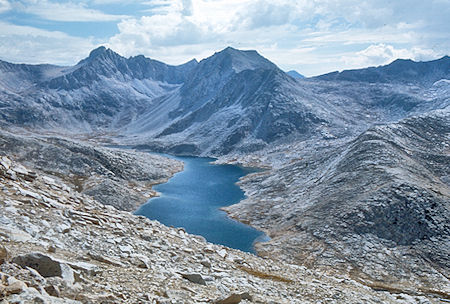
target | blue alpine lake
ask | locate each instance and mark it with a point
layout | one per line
(191, 199)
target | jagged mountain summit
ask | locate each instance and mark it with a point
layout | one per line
(232, 101)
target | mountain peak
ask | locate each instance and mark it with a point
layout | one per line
(97, 51)
(230, 51)
(101, 51)
(404, 71)
(240, 60)
(403, 60)
(99, 54)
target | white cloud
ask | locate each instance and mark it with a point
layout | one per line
(198, 22)
(292, 33)
(4, 6)
(380, 54)
(358, 36)
(312, 36)
(24, 44)
(66, 11)
(103, 2)
(155, 31)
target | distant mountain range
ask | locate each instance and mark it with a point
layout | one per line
(404, 71)
(232, 101)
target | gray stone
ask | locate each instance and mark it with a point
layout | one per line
(206, 263)
(140, 261)
(194, 278)
(232, 299)
(5, 162)
(52, 290)
(4, 254)
(106, 260)
(15, 286)
(45, 265)
(222, 253)
(16, 235)
(246, 296)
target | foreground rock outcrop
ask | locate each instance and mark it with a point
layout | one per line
(60, 246)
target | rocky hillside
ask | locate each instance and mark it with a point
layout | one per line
(114, 177)
(376, 207)
(60, 246)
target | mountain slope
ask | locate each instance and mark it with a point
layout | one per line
(212, 73)
(363, 205)
(358, 179)
(230, 107)
(104, 63)
(254, 107)
(60, 246)
(295, 74)
(118, 178)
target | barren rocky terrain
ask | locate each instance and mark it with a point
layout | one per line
(60, 246)
(376, 207)
(355, 194)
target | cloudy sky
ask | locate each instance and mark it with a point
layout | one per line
(310, 36)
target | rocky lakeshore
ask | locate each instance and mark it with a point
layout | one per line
(62, 246)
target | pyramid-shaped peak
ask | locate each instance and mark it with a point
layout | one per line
(102, 51)
(230, 51)
(98, 51)
(240, 60)
(100, 54)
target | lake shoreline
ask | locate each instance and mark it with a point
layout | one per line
(211, 210)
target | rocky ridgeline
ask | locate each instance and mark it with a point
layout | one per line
(60, 246)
